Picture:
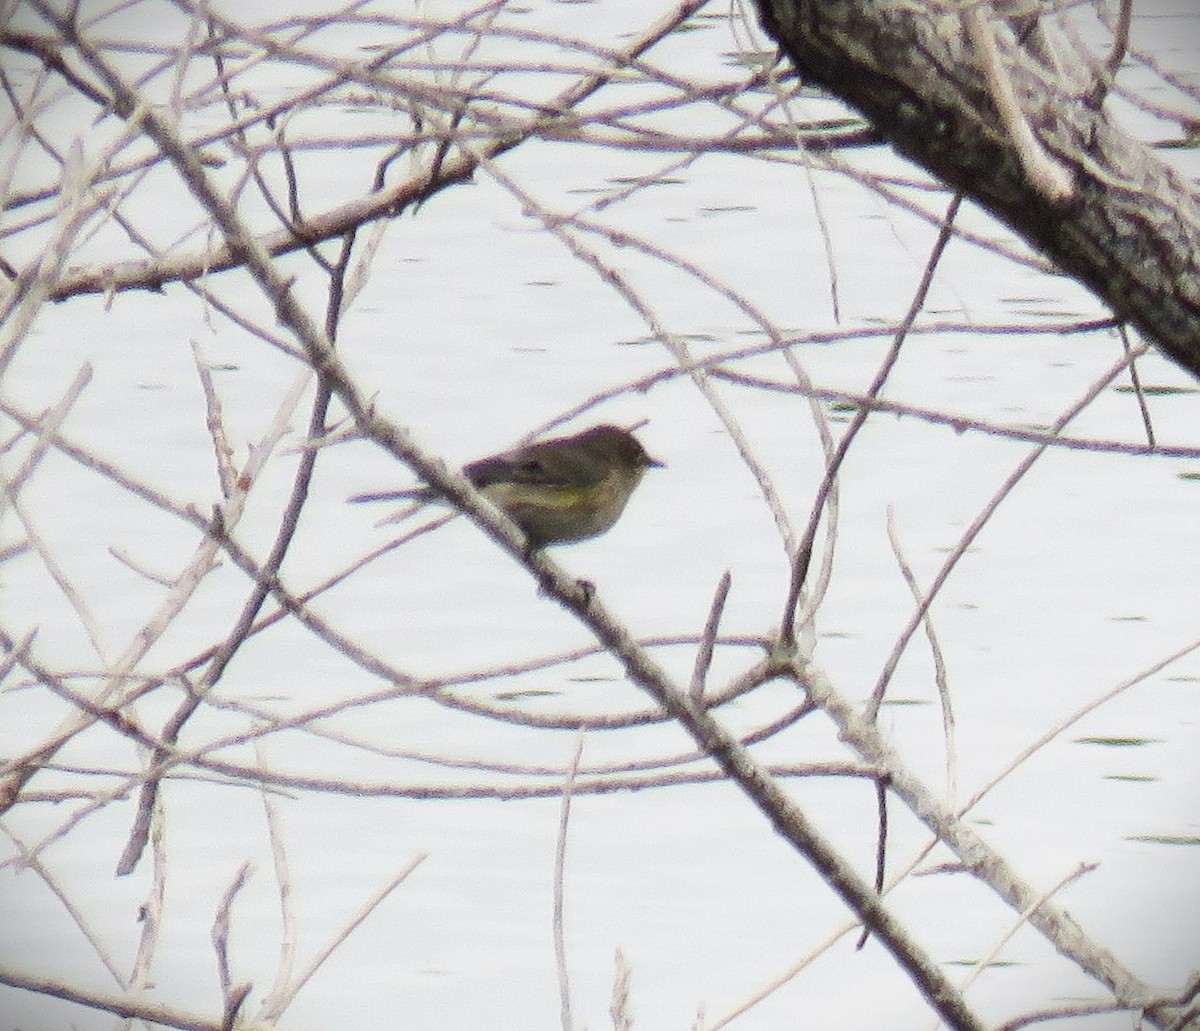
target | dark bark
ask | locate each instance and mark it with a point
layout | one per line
(1131, 229)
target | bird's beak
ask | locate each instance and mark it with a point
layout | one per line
(654, 463)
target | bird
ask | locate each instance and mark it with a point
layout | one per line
(557, 491)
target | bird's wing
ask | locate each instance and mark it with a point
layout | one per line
(532, 468)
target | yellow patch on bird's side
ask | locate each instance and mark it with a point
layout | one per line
(507, 495)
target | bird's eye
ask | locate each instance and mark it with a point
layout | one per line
(532, 465)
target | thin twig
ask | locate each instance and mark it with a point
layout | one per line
(976, 527)
(204, 561)
(704, 654)
(284, 968)
(560, 866)
(130, 1009)
(223, 453)
(881, 837)
(619, 1008)
(279, 1003)
(154, 907)
(1049, 176)
(1189, 999)
(47, 426)
(30, 861)
(939, 661)
(1136, 381)
(803, 553)
(1116, 55)
(219, 933)
(1022, 919)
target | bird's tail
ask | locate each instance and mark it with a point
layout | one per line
(421, 494)
(417, 498)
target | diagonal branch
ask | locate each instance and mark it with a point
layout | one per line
(1131, 232)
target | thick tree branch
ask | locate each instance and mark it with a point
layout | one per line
(1130, 231)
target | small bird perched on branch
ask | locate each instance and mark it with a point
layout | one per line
(557, 491)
